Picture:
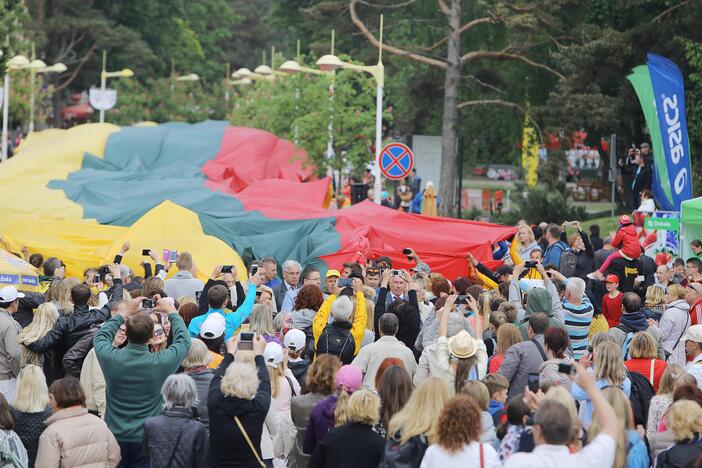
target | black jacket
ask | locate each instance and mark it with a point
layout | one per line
(26, 306)
(228, 447)
(73, 358)
(173, 439)
(409, 324)
(29, 427)
(202, 378)
(70, 328)
(203, 305)
(585, 262)
(680, 455)
(352, 445)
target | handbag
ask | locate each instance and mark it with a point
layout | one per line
(407, 455)
(248, 441)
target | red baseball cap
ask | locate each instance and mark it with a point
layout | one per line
(611, 279)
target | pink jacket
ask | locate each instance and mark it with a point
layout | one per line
(75, 438)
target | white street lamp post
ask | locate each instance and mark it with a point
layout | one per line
(332, 62)
(15, 63)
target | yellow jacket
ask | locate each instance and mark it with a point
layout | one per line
(358, 327)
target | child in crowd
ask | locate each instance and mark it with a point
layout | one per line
(497, 385)
(295, 345)
(480, 394)
(612, 301)
(517, 415)
(626, 240)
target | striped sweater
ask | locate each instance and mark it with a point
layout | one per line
(577, 322)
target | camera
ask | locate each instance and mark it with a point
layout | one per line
(395, 272)
(227, 268)
(147, 304)
(246, 341)
(530, 264)
(566, 369)
(145, 252)
(104, 271)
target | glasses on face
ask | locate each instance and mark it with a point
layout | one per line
(158, 332)
(122, 330)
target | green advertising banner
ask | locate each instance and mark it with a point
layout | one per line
(662, 224)
(641, 80)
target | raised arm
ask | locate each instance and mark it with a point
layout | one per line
(604, 413)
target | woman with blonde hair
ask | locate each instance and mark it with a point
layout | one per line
(278, 431)
(673, 324)
(654, 304)
(64, 304)
(643, 352)
(609, 371)
(354, 443)
(685, 422)
(663, 399)
(507, 335)
(45, 317)
(196, 365)
(152, 285)
(413, 428)
(525, 241)
(631, 449)
(458, 438)
(31, 408)
(261, 322)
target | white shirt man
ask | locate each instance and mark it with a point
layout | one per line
(693, 345)
(371, 356)
(552, 427)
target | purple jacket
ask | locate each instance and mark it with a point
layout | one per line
(321, 421)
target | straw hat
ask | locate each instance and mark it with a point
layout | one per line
(462, 345)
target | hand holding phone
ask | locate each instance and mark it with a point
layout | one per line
(533, 382)
(246, 341)
(146, 252)
(227, 268)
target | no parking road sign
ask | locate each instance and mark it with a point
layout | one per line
(396, 161)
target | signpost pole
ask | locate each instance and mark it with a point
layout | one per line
(103, 83)
(613, 168)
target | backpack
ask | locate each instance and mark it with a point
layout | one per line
(309, 344)
(640, 397)
(338, 341)
(627, 340)
(569, 262)
(407, 455)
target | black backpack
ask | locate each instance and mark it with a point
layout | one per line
(337, 339)
(569, 263)
(640, 397)
(407, 455)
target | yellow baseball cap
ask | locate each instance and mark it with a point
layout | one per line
(331, 273)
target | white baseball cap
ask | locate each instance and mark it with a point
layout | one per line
(9, 294)
(273, 354)
(295, 339)
(694, 333)
(213, 326)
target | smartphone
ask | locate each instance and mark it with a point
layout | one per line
(198, 294)
(344, 282)
(253, 271)
(395, 272)
(530, 264)
(96, 278)
(407, 251)
(174, 256)
(104, 271)
(640, 278)
(533, 382)
(166, 256)
(227, 268)
(246, 341)
(566, 369)
(147, 304)
(145, 252)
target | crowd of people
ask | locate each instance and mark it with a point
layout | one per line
(575, 351)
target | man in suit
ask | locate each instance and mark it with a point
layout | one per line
(397, 285)
(291, 280)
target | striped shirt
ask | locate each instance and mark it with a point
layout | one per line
(577, 322)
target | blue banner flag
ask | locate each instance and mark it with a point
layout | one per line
(669, 95)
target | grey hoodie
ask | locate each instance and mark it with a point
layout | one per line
(183, 284)
(303, 318)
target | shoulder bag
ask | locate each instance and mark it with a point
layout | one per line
(248, 441)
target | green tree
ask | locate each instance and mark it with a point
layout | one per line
(273, 106)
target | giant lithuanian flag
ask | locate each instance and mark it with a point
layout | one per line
(220, 192)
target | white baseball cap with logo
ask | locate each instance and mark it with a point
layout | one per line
(273, 354)
(10, 294)
(213, 326)
(295, 339)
